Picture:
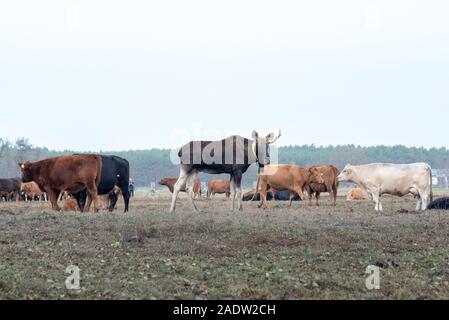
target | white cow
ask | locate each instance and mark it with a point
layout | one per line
(378, 179)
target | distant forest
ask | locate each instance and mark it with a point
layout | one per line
(149, 166)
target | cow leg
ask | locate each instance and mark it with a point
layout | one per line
(177, 188)
(335, 194)
(92, 195)
(190, 185)
(418, 204)
(126, 196)
(317, 198)
(376, 198)
(290, 199)
(310, 192)
(422, 201)
(263, 194)
(53, 195)
(300, 192)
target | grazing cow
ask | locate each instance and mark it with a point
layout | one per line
(70, 204)
(218, 187)
(233, 156)
(170, 184)
(114, 172)
(356, 194)
(71, 173)
(287, 177)
(394, 179)
(330, 184)
(10, 187)
(114, 195)
(31, 191)
(439, 204)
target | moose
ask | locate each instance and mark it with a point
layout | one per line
(233, 156)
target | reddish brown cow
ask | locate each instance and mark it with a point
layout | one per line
(170, 184)
(218, 187)
(330, 183)
(71, 173)
(286, 177)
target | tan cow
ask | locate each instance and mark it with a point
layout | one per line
(31, 190)
(70, 204)
(218, 187)
(170, 184)
(356, 194)
(287, 177)
(330, 184)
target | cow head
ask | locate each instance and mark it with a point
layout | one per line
(26, 172)
(347, 175)
(261, 147)
(316, 176)
(163, 182)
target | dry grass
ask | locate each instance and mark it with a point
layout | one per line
(280, 253)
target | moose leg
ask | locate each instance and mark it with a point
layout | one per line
(189, 186)
(183, 176)
(238, 187)
(232, 193)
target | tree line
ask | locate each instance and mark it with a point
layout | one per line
(151, 165)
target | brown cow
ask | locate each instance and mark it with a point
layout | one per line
(330, 184)
(71, 173)
(70, 204)
(218, 187)
(356, 194)
(287, 177)
(31, 190)
(170, 184)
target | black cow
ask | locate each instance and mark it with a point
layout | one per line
(283, 195)
(10, 187)
(114, 172)
(233, 156)
(439, 204)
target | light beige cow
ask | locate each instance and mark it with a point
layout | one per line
(378, 179)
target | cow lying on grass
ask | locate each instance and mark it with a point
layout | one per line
(439, 204)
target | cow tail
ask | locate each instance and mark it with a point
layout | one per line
(431, 185)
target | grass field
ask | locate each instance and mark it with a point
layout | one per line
(280, 253)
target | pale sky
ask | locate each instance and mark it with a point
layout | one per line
(117, 75)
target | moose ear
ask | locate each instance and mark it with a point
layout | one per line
(255, 135)
(270, 138)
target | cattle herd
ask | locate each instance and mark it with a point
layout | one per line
(83, 179)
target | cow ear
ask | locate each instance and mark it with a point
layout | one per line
(22, 166)
(255, 135)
